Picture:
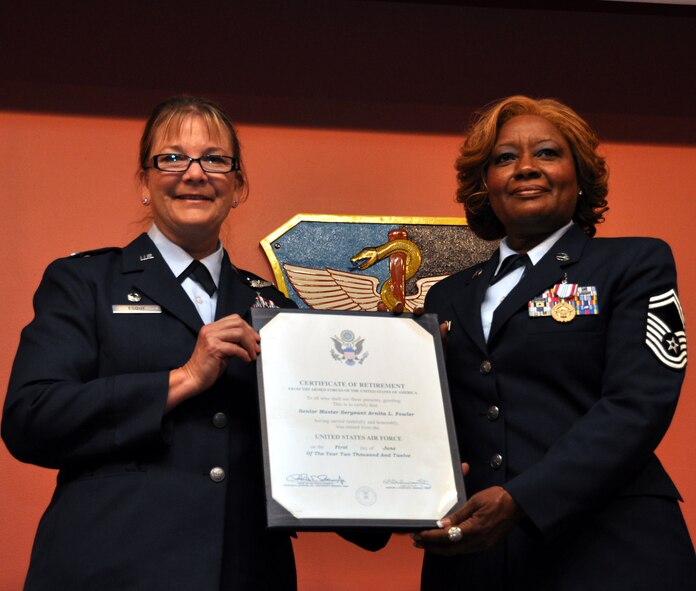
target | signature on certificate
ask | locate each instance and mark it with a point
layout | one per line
(419, 484)
(304, 479)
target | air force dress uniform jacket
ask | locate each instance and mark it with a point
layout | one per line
(143, 500)
(566, 415)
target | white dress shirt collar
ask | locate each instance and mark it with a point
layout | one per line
(499, 291)
(178, 259)
(537, 253)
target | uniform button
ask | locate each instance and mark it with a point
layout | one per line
(485, 367)
(217, 474)
(220, 420)
(199, 300)
(496, 461)
(493, 413)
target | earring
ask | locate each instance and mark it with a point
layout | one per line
(580, 193)
(146, 201)
(235, 203)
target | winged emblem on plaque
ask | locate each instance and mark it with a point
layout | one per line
(325, 263)
(331, 289)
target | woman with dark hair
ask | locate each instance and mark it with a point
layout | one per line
(566, 355)
(136, 381)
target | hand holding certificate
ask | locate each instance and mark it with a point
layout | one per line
(356, 420)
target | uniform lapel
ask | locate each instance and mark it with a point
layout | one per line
(234, 296)
(152, 276)
(546, 273)
(468, 304)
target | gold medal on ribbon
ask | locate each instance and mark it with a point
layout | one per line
(563, 312)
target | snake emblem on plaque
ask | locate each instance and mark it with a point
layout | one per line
(330, 262)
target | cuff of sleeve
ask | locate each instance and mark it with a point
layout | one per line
(138, 402)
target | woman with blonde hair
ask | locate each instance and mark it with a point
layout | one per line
(136, 380)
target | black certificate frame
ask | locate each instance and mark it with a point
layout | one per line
(278, 517)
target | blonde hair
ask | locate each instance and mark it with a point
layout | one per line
(171, 113)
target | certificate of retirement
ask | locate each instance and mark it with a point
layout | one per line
(355, 420)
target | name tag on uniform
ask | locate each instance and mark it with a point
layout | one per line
(136, 309)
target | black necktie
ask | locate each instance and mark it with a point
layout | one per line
(199, 273)
(510, 263)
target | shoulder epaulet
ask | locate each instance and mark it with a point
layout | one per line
(253, 281)
(88, 253)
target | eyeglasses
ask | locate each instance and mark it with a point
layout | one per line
(182, 162)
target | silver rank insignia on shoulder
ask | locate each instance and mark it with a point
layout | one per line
(562, 257)
(262, 302)
(134, 296)
(147, 257)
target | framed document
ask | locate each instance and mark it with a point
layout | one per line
(356, 420)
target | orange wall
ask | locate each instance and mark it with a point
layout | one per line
(68, 184)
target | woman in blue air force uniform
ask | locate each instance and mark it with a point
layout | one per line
(135, 379)
(564, 369)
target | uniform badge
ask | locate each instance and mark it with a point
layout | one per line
(665, 334)
(262, 302)
(563, 311)
(564, 302)
(259, 283)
